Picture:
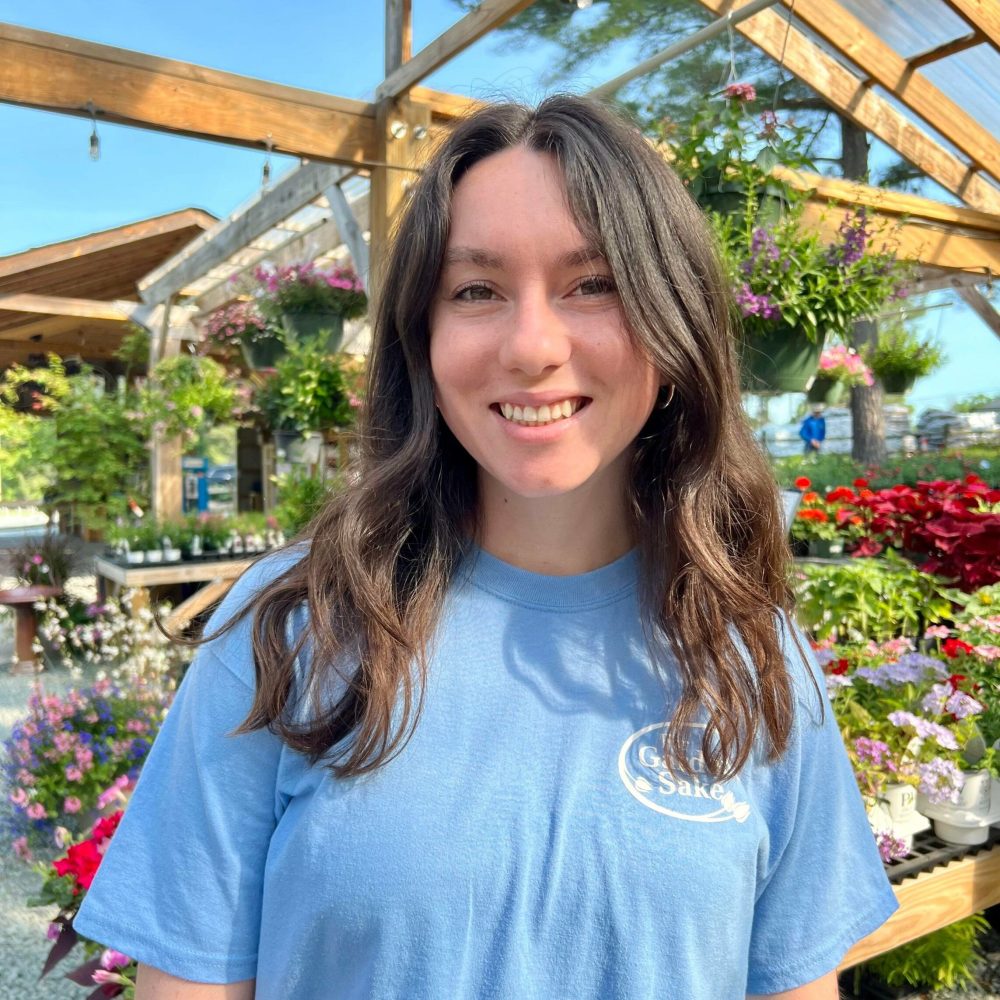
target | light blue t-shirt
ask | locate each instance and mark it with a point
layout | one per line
(527, 843)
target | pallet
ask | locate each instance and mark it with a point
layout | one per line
(939, 884)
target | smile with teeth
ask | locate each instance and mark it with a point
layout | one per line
(537, 416)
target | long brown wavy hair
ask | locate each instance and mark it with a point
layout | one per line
(382, 552)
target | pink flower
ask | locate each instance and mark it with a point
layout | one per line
(21, 848)
(36, 811)
(72, 804)
(73, 773)
(987, 652)
(112, 959)
(740, 92)
(53, 932)
(104, 976)
(936, 632)
(18, 797)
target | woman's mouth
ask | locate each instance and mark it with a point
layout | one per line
(539, 416)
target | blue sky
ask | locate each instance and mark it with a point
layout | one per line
(50, 189)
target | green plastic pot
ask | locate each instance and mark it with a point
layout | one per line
(783, 359)
(897, 385)
(311, 325)
(826, 390)
(264, 352)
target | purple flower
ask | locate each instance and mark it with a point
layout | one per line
(891, 848)
(941, 780)
(756, 305)
(925, 729)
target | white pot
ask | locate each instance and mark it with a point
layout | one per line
(135, 558)
(154, 555)
(967, 821)
(171, 555)
(895, 812)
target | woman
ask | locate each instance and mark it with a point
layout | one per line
(525, 718)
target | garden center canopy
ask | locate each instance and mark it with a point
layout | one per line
(923, 76)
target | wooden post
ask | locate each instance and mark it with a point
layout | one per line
(401, 128)
(165, 460)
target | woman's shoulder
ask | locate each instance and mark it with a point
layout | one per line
(233, 645)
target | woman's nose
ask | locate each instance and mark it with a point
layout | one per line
(538, 338)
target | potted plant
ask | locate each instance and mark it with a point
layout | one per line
(240, 330)
(311, 302)
(308, 392)
(44, 563)
(900, 357)
(840, 367)
(183, 394)
(793, 291)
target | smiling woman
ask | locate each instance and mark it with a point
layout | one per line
(523, 713)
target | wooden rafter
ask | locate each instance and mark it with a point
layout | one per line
(983, 15)
(982, 307)
(56, 305)
(296, 188)
(488, 15)
(848, 95)
(57, 73)
(310, 245)
(849, 36)
(945, 49)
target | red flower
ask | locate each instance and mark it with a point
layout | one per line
(81, 861)
(860, 483)
(840, 493)
(803, 483)
(955, 680)
(841, 667)
(107, 826)
(953, 647)
(810, 497)
(813, 515)
(867, 547)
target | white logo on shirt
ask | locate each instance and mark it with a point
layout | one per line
(645, 775)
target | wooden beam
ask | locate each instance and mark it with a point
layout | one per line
(59, 305)
(349, 229)
(488, 15)
(444, 106)
(987, 312)
(398, 32)
(945, 49)
(51, 72)
(933, 279)
(296, 188)
(844, 92)
(983, 15)
(310, 245)
(849, 36)
(889, 202)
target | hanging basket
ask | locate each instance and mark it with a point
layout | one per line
(826, 390)
(897, 385)
(312, 325)
(781, 360)
(264, 352)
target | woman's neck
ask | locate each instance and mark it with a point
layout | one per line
(559, 536)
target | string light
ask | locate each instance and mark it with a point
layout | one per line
(265, 174)
(95, 139)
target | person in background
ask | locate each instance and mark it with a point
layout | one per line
(813, 431)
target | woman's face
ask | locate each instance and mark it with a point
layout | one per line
(533, 369)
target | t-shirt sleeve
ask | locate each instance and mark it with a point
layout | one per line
(180, 886)
(823, 885)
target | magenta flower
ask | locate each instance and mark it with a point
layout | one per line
(740, 92)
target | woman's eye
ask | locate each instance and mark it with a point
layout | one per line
(474, 293)
(599, 284)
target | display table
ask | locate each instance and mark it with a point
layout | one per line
(22, 601)
(218, 576)
(933, 899)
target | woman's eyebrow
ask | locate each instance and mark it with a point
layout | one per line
(493, 261)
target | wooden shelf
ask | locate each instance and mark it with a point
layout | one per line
(934, 899)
